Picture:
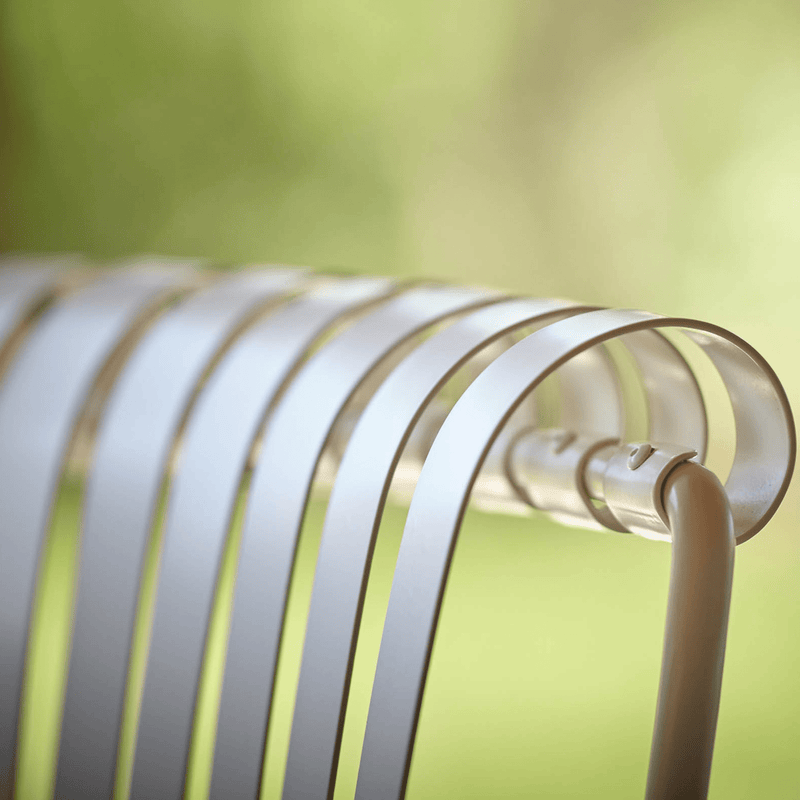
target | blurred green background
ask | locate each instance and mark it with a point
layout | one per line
(627, 154)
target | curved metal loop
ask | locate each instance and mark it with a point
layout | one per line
(41, 401)
(23, 288)
(676, 412)
(293, 443)
(132, 451)
(351, 525)
(356, 506)
(372, 388)
(766, 443)
(218, 438)
(446, 479)
(590, 399)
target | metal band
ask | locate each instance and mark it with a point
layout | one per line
(766, 443)
(443, 491)
(217, 441)
(41, 401)
(132, 451)
(676, 412)
(358, 497)
(578, 406)
(22, 289)
(673, 401)
(295, 438)
(368, 397)
(354, 512)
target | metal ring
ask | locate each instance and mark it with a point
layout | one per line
(295, 438)
(42, 399)
(444, 485)
(216, 443)
(133, 446)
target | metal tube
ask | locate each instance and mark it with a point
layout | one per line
(694, 641)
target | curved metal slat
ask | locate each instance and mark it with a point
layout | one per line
(218, 438)
(443, 491)
(766, 444)
(353, 517)
(22, 289)
(675, 408)
(356, 506)
(295, 438)
(41, 401)
(132, 450)
(56, 366)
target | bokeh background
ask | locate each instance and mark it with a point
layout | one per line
(629, 154)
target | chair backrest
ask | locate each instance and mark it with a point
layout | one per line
(175, 396)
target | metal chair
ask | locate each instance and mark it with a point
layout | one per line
(157, 374)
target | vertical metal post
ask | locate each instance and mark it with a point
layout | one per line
(694, 641)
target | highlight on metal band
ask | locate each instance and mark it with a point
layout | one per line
(180, 394)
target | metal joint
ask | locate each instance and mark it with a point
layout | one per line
(633, 484)
(596, 482)
(548, 468)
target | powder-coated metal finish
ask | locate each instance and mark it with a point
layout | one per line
(356, 504)
(442, 493)
(294, 441)
(353, 517)
(676, 411)
(217, 441)
(133, 447)
(41, 400)
(701, 578)
(363, 371)
(22, 289)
